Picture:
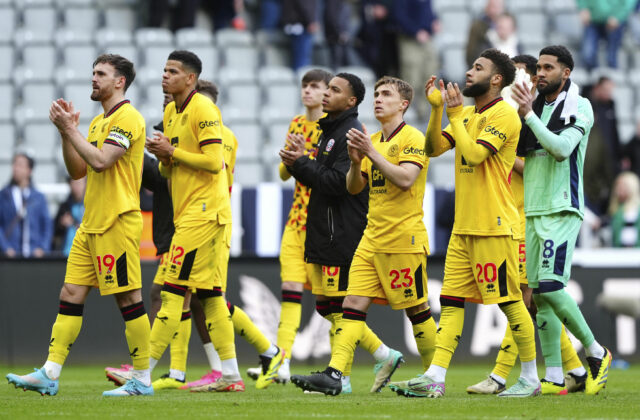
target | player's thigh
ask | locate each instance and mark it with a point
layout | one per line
(293, 267)
(81, 270)
(221, 252)
(162, 269)
(116, 255)
(459, 279)
(192, 257)
(494, 260)
(403, 278)
(363, 276)
(557, 235)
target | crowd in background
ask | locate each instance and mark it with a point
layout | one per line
(391, 37)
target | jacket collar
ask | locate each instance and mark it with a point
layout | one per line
(327, 125)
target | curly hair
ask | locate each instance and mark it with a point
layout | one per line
(502, 65)
(561, 53)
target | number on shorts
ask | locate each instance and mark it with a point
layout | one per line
(522, 253)
(395, 284)
(179, 252)
(330, 271)
(487, 273)
(107, 260)
(547, 252)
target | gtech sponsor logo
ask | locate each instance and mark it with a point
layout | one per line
(127, 134)
(413, 151)
(492, 130)
(204, 124)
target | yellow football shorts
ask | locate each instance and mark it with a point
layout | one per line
(482, 269)
(222, 259)
(108, 260)
(292, 264)
(329, 281)
(193, 255)
(400, 279)
(162, 269)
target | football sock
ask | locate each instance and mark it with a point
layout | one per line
(179, 348)
(424, 332)
(219, 320)
(595, 350)
(168, 318)
(290, 314)
(244, 327)
(521, 328)
(570, 359)
(369, 341)
(351, 329)
(177, 374)
(507, 356)
(152, 363)
(381, 353)
(499, 379)
(230, 369)
(64, 332)
(138, 333)
(437, 373)
(554, 374)
(549, 330)
(212, 357)
(449, 330)
(568, 312)
(52, 369)
(346, 380)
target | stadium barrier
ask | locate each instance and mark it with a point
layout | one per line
(29, 302)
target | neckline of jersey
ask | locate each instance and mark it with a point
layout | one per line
(186, 101)
(489, 105)
(396, 131)
(116, 107)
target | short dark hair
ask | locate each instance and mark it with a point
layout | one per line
(188, 60)
(123, 67)
(502, 65)
(209, 89)
(561, 53)
(317, 75)
(529, 61)
(356, 85)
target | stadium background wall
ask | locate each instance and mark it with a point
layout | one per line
(28, 305)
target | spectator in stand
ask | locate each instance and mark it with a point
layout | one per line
(25, 224)
(603, 19)
(417, 23)
(602, 160)
(224, 13)
(69, 216)
(270, 11)
(631, 153)
(625, 211)
(300, 20)
(337, 31)
(480, 26)
(503, 36)
(377, 36)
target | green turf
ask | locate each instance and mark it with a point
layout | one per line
(81, 388)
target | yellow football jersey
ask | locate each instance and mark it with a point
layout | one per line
(311, 132)
(484, 201)
(117, 189)
(197, 195)
(394, 222)
(230, 146)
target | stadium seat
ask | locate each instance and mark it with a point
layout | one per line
(532, 26)
(80, 95)
(580, 76)
(365, 109)
(186, 38)
(8, 62)
(77, 64)
(248, 173)
(442, 171)
(83, 18)
(365, 74)
(617, 75)
(120, 18)
(42, 139)
(456, 27)
(233, 37)
(147, 37)
(283, 97)
(270, 116)
(274, 55)
(7, 102)
(7, 24)
(240, 56)
(234, 115)
(71, 36)
(250, 137)
(277, 134)
(35, 3)
(109, 37)
(133, 94)
(626, 131)
(440, 6)
(208, 54)
(555, 6)
(517, 6)
(302, 70)
(38, 64)
(229, 75)
(129, 52)
(454, 65)
(275, 75)
(154, 59)
(69, 3)
(47, 173)
(246, 97)
(154, 96)
(152, 114)
(568, 24)
(36, 101)
(8, 135)
(624, 98)
(39, 24)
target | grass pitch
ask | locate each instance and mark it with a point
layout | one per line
(81, 388)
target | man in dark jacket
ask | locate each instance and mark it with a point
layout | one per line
(335, 218)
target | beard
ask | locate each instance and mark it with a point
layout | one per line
(97, 95)
(476, 89)
(552, 86)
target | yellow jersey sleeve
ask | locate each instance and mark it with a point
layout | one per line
(230, 146)
(494, 134)
(207, 124)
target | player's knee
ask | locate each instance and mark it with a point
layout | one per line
(416, 309)
(292, 286)
(74, 293)
(360, 303)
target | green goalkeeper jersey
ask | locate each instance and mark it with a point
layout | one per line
(553, 172)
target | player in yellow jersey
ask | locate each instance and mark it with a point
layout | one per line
(390, 261)
(482, 257)
(191, 156)
(105, 251)
(576, 373)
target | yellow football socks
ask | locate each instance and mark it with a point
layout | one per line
(449, 330)
(244, 327)
(179, 348)
(65, 330)
(290, 314)
(424, 332)
(168, 318)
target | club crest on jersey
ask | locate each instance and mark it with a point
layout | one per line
(393, 150)
(184, 119)
(330, 144)
(104, 126)
(482, 122)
